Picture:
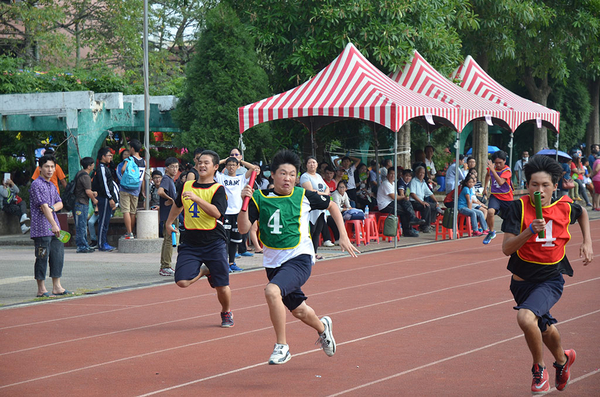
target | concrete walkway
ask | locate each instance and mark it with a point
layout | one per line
(102, 272)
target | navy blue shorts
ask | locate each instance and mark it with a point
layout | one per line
(499, 205)
(214, 256)
(538, 297)
(290, 277)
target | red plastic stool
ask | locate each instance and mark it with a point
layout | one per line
(464, 226)
(440, 230)
(380, 224)
(356, 232)
(371, 229)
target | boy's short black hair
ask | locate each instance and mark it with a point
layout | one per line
(461, 157)
(470, 158)
(45, 158)
(232, 160)
(215, 156)
(329, 168)
(543, 164)
(86, 162)
(198, 151)
(407, 171)
(103, 152)
(285, 157)
(171, 160)
(156, 172)
(500, 154)
(391, 169)
(135, 145)
(342, 183)
(346, 158)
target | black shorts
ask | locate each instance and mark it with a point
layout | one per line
(500, 206)
(290, 277)
(538, 297)
(231, 228)
(214, 256)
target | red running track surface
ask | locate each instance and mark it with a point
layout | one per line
(428, 320)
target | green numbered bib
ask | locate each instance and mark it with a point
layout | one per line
(279, 219)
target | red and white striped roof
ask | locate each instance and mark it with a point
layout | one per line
(419, 76)
(475, 80)
(349, 87)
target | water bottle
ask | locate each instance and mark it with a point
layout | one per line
(366, 211)
(174, 237)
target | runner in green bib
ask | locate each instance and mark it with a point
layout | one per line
(283, 221)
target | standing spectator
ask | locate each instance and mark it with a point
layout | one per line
(596, 181)
(203, 250)
(154, 197)
(128, 196)
(282, 217)
(45, 229)
(429, 164)
(124, 156)
(192, 173)
(349, 164)
(471, 162)
(451, 173)
(578, 172)
(419, 191)
(465, 206)
(595, 152)
(519, 165)
(13, 204)
(83, 195)
(563, 190)
(313, 182)
(501, 190)
(103, 185)
(58, 176)
(339, 176)
(233, 187)
(328, 178)
(166, 193)
(261, 183)
(237, 153)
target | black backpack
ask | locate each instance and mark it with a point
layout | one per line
(68, 197)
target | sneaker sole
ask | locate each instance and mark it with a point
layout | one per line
(330, 326)
(488, 238)
(287, 358)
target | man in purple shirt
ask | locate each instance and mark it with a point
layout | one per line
(45, 229)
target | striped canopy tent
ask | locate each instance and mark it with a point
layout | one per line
(348, 88)
(419, 76)
(474, 79)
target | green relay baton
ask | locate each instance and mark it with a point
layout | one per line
(538, 211)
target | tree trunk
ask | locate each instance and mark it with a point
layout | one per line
(592, 133)
(404, 145)
(480, 144)
(539, 93)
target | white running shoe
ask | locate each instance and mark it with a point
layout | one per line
(24, 229)
(326, 337)
(328, 243)
(281, 354)
(24, 218)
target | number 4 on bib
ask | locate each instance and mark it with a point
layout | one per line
(275, 223)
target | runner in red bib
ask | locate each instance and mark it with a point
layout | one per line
(538, 264)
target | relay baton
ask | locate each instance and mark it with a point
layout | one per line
(538, 211)
(174, 237)
(247, 199)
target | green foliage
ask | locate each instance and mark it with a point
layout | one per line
(221, 77)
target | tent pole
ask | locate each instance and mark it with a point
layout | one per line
(456, 171)
(396, 184)
(510, 155)
(312, 138)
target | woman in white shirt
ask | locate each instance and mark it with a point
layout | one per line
(312, 181)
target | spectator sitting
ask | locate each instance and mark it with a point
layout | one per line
(58, 175)
(363, 190)
(154, 197)
(465, 206)
(373, 178)
(477, 198)
(13, 204)
(340, 197)
(429, 164)
(385, 165)
(385, 202)
(313, 182)
(350, 164)
(419, 191)
(451, 173)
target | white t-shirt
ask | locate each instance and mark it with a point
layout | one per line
(233, 188)
(351, 181)
(341, 201)
(383, 198)
(431, 167)
(317, 184)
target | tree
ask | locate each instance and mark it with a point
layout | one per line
(222, 76)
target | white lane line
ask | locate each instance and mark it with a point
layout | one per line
(14, 280)
(457, 356)
(264, 363)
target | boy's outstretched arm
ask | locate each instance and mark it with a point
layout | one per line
(585, 251)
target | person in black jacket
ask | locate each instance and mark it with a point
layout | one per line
(103, 184)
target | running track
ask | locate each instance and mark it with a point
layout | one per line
(420, 321)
